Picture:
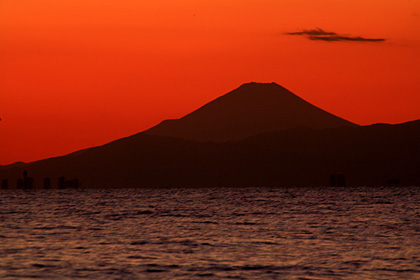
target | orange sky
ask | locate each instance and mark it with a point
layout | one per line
(77, 73)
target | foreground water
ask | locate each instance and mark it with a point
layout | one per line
(227, 233)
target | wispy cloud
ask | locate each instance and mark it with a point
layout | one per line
(320, 35)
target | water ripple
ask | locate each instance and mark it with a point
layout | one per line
(226, 233)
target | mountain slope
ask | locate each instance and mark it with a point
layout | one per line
(249, 110)
(368, 155)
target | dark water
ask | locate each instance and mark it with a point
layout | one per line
(295, 233)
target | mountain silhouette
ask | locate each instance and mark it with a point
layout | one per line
(293, 155)
(249, 110)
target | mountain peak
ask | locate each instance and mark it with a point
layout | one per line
(260, 85)
(259, 90)
(248, 110)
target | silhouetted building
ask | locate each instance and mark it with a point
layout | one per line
(332, 180)
(61, 182)
(337, 180)
(341, 180)
(26, 182)
(47, 183)
(64, 184)
(19, 183)
(4, 184)
(393, 182)
(29, 183)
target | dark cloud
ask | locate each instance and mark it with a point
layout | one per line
(335, 38)
(321, 35)
(313, 32)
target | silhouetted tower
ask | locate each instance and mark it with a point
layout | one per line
(47, 183)
(28, 182)
(4, 184)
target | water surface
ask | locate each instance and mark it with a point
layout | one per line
(225, 233)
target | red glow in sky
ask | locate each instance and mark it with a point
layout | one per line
(74, 74)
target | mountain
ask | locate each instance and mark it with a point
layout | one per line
(305, 147)
(374, 155)
(249, 110)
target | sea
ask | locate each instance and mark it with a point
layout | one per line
(211, 233)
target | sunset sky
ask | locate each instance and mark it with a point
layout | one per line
(80, 73)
